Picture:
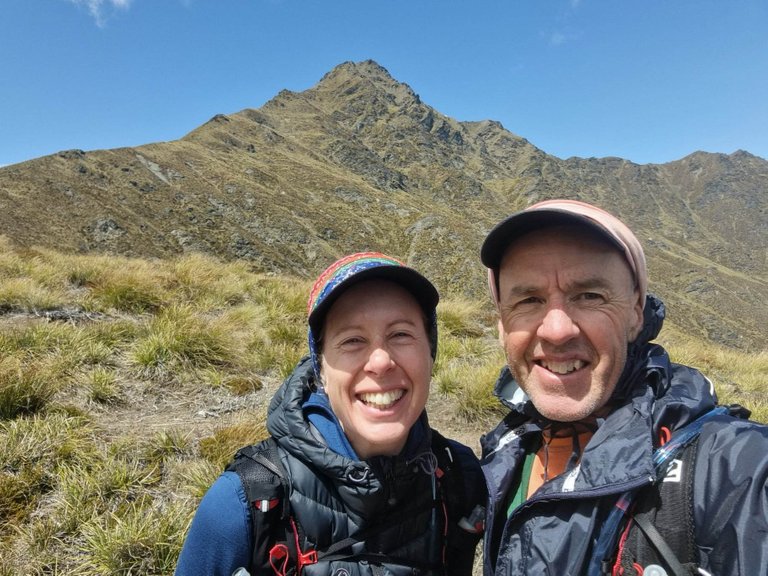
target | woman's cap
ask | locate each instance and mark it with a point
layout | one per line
(350, 270)
(562, 212)
(365, 266)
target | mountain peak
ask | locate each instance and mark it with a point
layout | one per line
(350, 77)
(367, 69)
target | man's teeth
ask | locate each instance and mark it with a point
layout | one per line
(563, 367)
(382, 399)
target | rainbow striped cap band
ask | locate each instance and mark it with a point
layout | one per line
(364, 266)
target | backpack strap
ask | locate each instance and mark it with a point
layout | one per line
(604, 552)
(266, 489)
(340, 550)
(660, 529)
(463, 499)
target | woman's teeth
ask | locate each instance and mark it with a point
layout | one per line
(382, 400)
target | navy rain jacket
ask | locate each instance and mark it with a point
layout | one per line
(554, 531)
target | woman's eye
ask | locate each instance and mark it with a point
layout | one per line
(401, 335)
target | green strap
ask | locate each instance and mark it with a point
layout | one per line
(521, 493)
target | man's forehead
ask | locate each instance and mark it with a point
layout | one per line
(556, 239)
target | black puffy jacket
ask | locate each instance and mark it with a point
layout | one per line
(333, 497)
(553, 532)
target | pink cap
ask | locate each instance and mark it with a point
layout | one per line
(560, 212)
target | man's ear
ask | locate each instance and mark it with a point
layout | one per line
(501, 333)
(638, 319)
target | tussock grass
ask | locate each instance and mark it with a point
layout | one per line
(461, 319)
(209, 283)
(739, 377)
(468, 360)
(26, 294)
(141, 540)
(221, 447)
(102, 386)
(86, 490)
(33, 451)
(25, 388)
(177, 338)
(192, 477)
(134, 287)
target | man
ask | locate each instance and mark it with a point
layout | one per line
(572, 468)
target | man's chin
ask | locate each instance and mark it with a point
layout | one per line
(564, 410)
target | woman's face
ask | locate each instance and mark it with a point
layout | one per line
(376, 365)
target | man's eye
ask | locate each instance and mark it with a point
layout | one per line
(529, 301)
(590, 296)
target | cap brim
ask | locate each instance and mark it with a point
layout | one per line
(522, 223)
(421, 289)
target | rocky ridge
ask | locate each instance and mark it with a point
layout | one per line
(360, 162)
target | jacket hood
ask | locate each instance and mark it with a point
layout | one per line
(356, 480)
(294, 433)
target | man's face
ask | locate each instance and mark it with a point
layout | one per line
(376, 365)
(568, 310)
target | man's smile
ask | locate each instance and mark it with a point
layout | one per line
(561, 367)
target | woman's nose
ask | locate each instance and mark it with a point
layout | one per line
(379, 361)
(557, 326)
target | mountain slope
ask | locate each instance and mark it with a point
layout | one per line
(360, 162)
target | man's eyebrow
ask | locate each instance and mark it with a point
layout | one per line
(581, 284)
(587, 283)
(521, 290)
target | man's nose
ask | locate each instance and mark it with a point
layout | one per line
(379, 361)
(557, 326)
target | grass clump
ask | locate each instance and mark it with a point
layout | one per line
(739, 377)
(135, 286)
(212, 284)
(102, 386)
(279, 339)
(221, 447)
(460, 318)
(26, 294)
(179, 339)
(141, 540)
(26, 387)
(192, 477)
(32, 453)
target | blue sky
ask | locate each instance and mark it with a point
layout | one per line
(650, 81)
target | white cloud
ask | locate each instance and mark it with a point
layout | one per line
(557, 38)
(100, 9)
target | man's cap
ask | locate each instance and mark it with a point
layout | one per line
(355, 268)
(551, 213)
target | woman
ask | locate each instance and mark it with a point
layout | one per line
(371, 488)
